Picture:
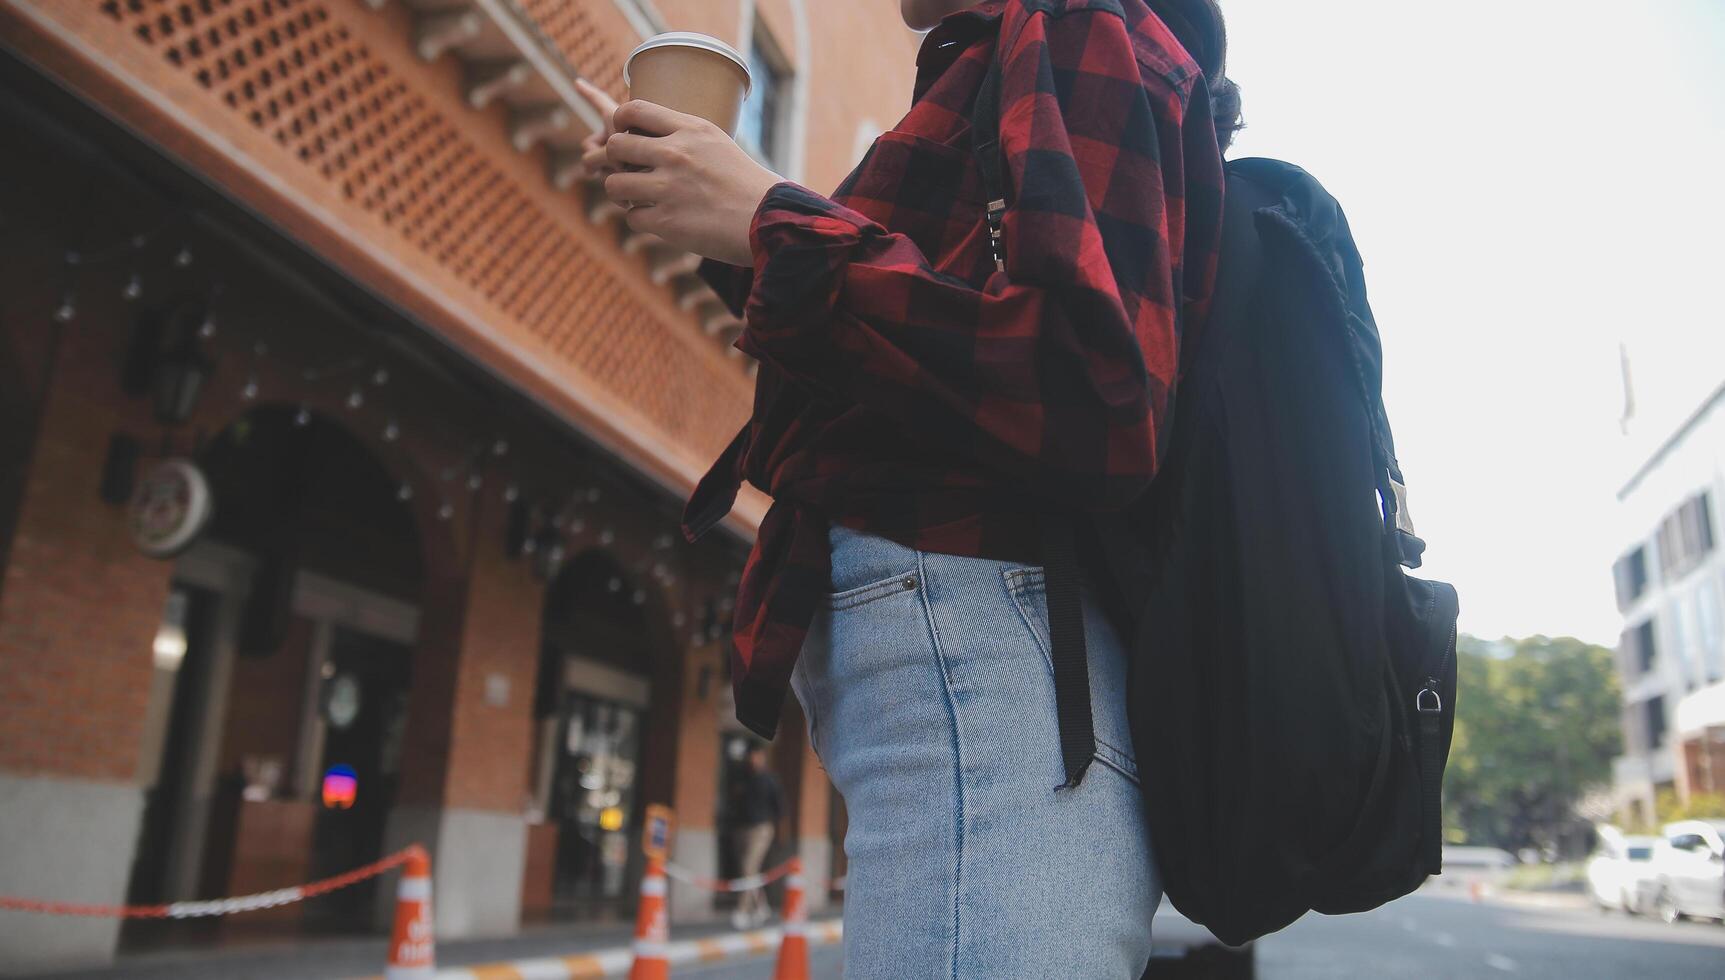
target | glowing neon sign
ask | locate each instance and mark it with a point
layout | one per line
(340, 787)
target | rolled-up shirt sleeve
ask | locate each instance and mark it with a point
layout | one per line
(1059, 372)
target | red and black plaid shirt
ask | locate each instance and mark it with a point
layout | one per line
(910, 390)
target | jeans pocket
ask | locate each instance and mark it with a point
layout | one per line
(1027, 588)
(903, 583)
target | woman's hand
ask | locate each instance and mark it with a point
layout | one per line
(687, 182)
(593, 162)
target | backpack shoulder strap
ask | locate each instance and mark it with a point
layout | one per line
(985, 144)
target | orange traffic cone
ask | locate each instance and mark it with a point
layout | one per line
(794, 950)
(411, 946)
(650, 931)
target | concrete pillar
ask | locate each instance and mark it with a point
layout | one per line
(695, 787)
(468, 743)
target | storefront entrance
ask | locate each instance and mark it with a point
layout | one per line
(593, 799)
(593, 698)
(274, 735)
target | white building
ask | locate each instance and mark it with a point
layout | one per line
(1671, 590)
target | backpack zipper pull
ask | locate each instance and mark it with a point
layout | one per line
(996, 243)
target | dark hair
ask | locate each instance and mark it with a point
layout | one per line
(1200, 29)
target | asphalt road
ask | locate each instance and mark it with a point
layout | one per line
(1425, 937)
(1422, 937)
(1432, 937)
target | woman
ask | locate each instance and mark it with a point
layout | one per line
(917, 409)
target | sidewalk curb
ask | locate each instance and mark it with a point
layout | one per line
(616, 962)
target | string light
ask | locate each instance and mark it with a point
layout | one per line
(679, 618)
(133, 288)
(639, 598)
(380, 377)
(250, 391)
(302, 418)
(511, 493)
(404, 493)
(475, 481)
(183, 257)
(592, 495)
(577, 525)
(445, 512)
(614, 585)
(391, 431)
(67, 310)
(355, 398)
(207, 329)
(500, 447)
(606, 536)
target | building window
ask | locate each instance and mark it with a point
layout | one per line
(761, 128)
(1685, 537)
(1653, 715)
(1638, 649)
(1631, 575)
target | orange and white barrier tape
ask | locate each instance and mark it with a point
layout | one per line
(212, 907)
(747, 883)
(616, 962)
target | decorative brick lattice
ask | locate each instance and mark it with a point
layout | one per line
(573, 32)
(295, 70)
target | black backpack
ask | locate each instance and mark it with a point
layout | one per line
(1292, 690)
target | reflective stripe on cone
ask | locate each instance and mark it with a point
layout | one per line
(412, 946)
(651, 933)
(794, 948)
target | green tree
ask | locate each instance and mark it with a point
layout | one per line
(1535, 730)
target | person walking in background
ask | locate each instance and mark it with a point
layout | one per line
(756, 807)
(944, 375)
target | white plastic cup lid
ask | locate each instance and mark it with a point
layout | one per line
(690, 39)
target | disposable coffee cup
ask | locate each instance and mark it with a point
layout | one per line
(692, 73)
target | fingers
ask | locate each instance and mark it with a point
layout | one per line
(653, 119)
(594, 162)
(598, 97)
(624, 150)
(625, 189)
(643, 218)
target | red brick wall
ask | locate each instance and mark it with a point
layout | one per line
(79, 606)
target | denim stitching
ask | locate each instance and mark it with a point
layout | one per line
(863, 594)
(958, 754)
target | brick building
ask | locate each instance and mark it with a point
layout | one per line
(332, 255)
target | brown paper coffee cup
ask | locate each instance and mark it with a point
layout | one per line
(693, 73)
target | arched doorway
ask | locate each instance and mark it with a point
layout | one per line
(284, 664)
(592, 706)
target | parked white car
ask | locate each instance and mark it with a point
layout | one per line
(1618, 873)
(1689, 871)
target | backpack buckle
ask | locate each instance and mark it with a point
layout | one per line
(1399, 493)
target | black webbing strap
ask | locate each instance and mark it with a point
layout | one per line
(1061, 590)
(1061, 579)
(985, 143)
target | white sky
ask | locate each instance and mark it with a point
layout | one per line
(1531, 182)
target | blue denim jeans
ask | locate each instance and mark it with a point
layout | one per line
(929, 695)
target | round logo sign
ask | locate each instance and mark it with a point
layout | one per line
(343, 704)
(171, 505)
